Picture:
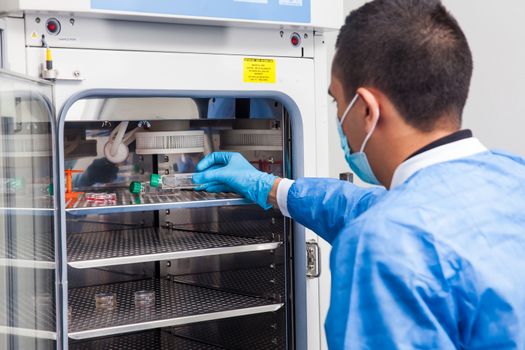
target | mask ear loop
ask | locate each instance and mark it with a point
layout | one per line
(347, 110)
(371, 132)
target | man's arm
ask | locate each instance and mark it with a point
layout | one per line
(324, 205)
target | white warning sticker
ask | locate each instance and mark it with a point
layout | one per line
(291, 2)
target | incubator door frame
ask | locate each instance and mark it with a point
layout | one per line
(299, 274)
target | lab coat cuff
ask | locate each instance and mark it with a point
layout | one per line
(282, 195)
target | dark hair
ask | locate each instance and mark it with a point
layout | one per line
(414, 52)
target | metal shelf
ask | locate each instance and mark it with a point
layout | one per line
(175, 304)
(262, 281)
(28, 252)
(158, 340)
(118, 247)
(167, 200)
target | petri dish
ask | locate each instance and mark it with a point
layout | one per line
(144, 298)
(105, 300)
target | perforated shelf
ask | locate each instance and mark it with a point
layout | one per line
(153, 201)
(158, 340)
(175, 304)
(261, 332)
(118, 247)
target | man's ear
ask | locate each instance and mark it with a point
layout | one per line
(372, 107)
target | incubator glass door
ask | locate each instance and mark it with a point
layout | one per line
(27, 214)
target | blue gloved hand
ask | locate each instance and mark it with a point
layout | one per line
(100, 171)
(231, 172)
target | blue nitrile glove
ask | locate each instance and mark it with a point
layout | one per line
(231, 172)
(100, 171)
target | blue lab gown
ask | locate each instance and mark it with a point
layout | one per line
(436, 263)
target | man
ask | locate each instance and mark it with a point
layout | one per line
(437, 261)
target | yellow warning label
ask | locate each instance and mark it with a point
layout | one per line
(34, 35)
(259, 70)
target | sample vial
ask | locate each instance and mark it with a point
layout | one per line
(173, 181)
(105, 300)
(164, 183)
(137, 187)
(144, 298)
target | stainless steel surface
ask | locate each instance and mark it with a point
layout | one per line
(262, 281)
(118, 247)
(122, 222)
(252, 140)
(80, 278)
(156, 110)
(175, 304)
(226, 262)
(212, 215)
(155, 340)
(245, 228)
(259, 332)
(167, 200)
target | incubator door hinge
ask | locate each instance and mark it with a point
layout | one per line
(312, 260)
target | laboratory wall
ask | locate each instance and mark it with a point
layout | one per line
(495, 110)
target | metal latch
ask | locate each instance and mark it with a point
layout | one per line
(312, 260)
(349, 177)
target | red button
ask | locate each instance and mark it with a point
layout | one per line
(53, 26)
(295, 39)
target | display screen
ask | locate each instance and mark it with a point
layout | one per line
(262, 10)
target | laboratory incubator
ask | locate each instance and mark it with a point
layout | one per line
(105, 110)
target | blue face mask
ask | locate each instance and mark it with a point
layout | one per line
(358, 161)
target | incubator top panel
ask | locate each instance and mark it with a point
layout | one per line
(307, 13)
